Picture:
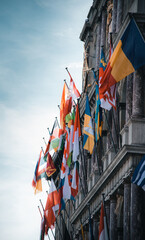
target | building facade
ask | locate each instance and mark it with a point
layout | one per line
(108, 171)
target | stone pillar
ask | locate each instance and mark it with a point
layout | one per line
(126, 212)
(114, 16)
(136, 218)
(95, 228)
(103, 27)
(119, 14)
(114, 128)
(129, 96)
(137, 109)
(98, 45)
(113, 219)
(107, 209)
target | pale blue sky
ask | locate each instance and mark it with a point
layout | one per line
(38, 39)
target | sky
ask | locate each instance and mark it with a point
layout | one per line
(38, 39)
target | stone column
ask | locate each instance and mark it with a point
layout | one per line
(98, 45)
(126, 212)
(129, 96)
(107, 209)
(119, 14)
(103, 27)
(95, 228)
(114, 16)
(113, 219)
(137, 109)
(137, 217)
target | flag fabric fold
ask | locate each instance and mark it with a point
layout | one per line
(128, 56)
(64, 105)
(76, 135)
(52, 205)
(108, 99)
(139, 174)
(36, 182)
(74, 91)
(50, 168)
(88, 141)
(103, 232)
(75, 180)
(70, 140)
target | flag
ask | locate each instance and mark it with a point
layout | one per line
(65, 155)
(76, 135)
(67, 184)
(75, 180)
(74, 91)
(65, 107)
(36, 183)
(61, 200)
(88, 142)
(139, 174)
(98, 112)
(70, 141)
(103, 232)
(82, 231)
(55, 137)
(50, 168)
(62, 172)
(128, 56)
(42, 230)
(52, 205)
(108, 99)
(53, 196)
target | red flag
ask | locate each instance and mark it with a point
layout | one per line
(74, 91)
(76, 134)
(50, 168)
(52, 205)
(75, 180)
(103, 233)
(65, 105)
(108, 98)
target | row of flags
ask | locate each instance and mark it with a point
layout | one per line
(69, 130)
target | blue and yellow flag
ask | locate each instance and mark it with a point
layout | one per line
(98, 113)
(128, 56)
(88, 142)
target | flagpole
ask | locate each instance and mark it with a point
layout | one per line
(66, 84)
(43, 211)
(86, 184)
(44, 141)
(57, 122)
(41, 219)
(67, 71)
(66, 213)
(48, 130)
(82, 155)
(56, 220)
(42, 150)
(40, 212)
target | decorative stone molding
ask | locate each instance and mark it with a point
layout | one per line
(136, 131)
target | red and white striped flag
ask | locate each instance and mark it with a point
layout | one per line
(76, 135)
(52, 205)
(74, 91)
(103, 232)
